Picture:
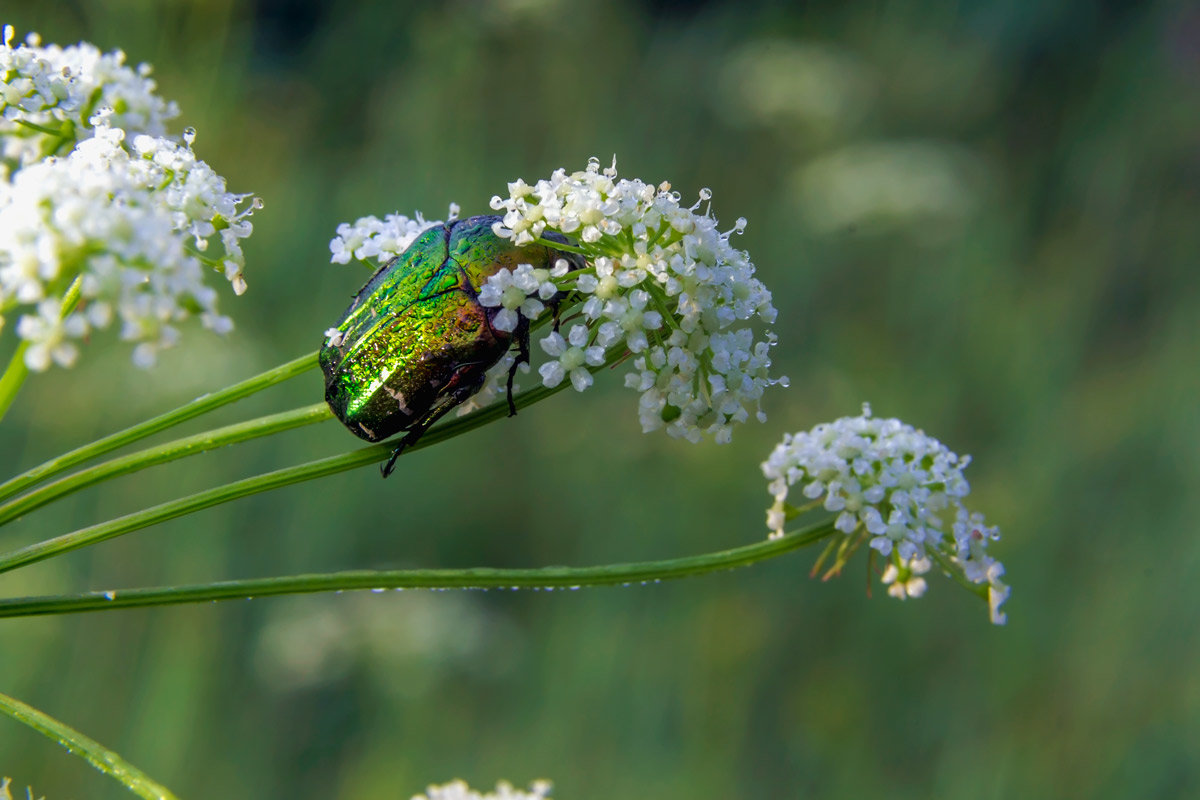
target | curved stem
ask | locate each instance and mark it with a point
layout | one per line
(260, 483)
(170, 451)
(948, 567)
(475, 578)
(200, 405)
(86, 748)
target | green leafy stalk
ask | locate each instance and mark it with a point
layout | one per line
(201, 405)
(474, 578)
(86, 748)
(170, 451)
(14, 376)
(260, 483)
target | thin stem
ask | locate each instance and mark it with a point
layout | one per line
(201, 405)
(170, 451)
(475, 578)
(33, 126)
(14, 376)
(86, 748)
(563, 246)
(948, 568)
(260, 483)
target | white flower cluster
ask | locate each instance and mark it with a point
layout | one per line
(459, 790)
(49, 96)
(893, 485)
(661, 283)
(108, 222)
(374, 240)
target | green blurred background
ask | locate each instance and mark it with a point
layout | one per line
(979, 216)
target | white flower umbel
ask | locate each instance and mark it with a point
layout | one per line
(134, 222)
(891, 486)
(376, 241)
(661, 283)
(49, 96)
(459, 790)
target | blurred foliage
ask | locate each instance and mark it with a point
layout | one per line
(979, 216)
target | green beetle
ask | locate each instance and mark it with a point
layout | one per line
(415, 342)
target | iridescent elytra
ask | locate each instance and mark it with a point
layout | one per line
(415, 341)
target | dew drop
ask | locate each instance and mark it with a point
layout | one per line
(189, 135)
(110, 595)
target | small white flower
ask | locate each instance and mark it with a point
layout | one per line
(571, 358)
(48, 336)
(510, 290)
(889, 484)
(904, 580)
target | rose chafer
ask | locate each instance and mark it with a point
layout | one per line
(416, 342)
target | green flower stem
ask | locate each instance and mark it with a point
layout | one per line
(475, 578)
(261, 483)
(170, 451)
(33, 126)
(956, 573)
(200, 405)
(563, 246)
(14, 376)
(86, 748)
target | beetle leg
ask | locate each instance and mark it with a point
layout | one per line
(410, 438)
(447, 403)
(522, 358)
(387, 468)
